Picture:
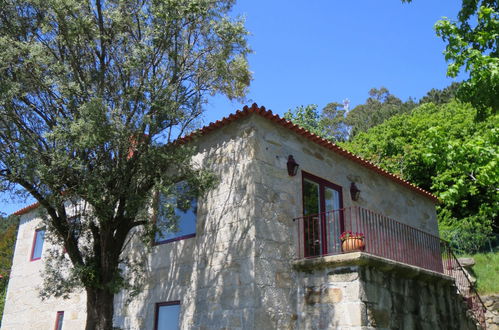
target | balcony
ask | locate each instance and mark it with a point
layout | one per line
(318, 235)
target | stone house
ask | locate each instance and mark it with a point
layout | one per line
(261, 250)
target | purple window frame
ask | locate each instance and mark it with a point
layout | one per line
(169, 240)
(59, 320)
(160, 304)
(180, 238)
(322, 184)
(34, 244)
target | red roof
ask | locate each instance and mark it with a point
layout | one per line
(261, 111)
(26, 209)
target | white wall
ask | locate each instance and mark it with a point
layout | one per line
(23, 307)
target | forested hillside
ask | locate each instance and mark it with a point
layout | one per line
(8, 232)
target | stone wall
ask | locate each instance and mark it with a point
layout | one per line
(238, 271)
(491, 302)
(278, 199)
(378, 193)
(212, 274)
(359, 291)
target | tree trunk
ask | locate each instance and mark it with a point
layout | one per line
(100, 309)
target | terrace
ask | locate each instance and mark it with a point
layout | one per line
(320, 235)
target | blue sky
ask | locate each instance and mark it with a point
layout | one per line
(320, 51)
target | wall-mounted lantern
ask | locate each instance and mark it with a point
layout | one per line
(354, 192)
(292, 166)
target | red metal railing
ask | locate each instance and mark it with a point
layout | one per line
(464, 285)
(319, 235)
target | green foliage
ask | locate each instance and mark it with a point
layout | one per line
(336, 123)
(329, 123)
(472, 45)
(380, 106)
(442, 149)
(333, 121)
(438, 96)
(91, 96)
(8, 234)
(307, 117)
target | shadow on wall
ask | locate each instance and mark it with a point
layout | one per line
(397, 302)
(211, 274)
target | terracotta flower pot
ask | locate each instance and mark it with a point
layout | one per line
(353, 244)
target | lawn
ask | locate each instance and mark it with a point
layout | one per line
(486, 270)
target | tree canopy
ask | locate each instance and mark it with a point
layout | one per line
(92, 93)
(379, 106)
(472, 46)
(444, 150)
(336, 122)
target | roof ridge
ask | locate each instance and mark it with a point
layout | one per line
(262, 111)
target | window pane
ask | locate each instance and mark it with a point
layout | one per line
(310, 198)
(332, 200)
(168, 317)
(185, 209)
(38, 244)
(75, 226)
(58, 324)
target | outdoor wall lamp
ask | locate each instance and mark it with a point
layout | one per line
(292, 166)
(354, 192)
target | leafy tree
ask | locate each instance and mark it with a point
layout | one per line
(333, 121)
(380, 106)
(329, 123)
(336, 122)
(307, 117)
(91, 95)
(441, 96)
(472, 43)
(443, 149)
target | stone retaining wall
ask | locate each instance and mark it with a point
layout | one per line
(356, 290)
(491, 302)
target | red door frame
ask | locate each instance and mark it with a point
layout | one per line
(322, 201)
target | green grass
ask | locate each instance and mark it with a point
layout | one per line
(486, 271)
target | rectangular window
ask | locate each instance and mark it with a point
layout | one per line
(166, 316)
(36, 250)
(75, 225)
(183, 207)
(322, 211)
(58, 320)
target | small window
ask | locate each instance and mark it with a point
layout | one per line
(166, 316)
(75, 225)
(58, 321)
(185, 209)
(36, 251)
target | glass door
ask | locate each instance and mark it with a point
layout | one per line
(322, 226)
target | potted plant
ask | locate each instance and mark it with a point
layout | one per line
(351, 241)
